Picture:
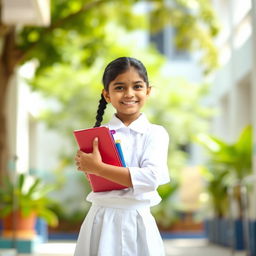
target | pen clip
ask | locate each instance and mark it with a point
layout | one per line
(112, 132)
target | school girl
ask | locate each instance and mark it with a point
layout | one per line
(119, 222)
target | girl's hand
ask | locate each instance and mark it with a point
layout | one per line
(91, 162)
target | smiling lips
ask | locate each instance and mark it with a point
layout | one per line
(129, 102)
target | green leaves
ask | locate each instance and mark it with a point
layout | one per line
(49, 216)
(32, 190)
(228, 163)
(27, 195)
(166, 212)
(167, 190)
(236, 157)
(195, 24)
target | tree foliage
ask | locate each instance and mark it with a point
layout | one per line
(79, 23)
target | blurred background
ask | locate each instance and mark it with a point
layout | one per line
(201, 60)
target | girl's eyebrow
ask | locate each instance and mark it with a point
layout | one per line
(122, 83)
(118, 83)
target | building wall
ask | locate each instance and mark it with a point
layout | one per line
(253, 100)
(234, 88)
(232, 84)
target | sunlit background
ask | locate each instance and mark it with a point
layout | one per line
(201, 60)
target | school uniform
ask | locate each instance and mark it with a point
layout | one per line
(119, 222)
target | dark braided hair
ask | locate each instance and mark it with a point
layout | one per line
(112, 70)
(100, 111)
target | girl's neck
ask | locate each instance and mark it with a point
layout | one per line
(127, 120)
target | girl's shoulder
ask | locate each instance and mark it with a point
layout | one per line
(157, 130)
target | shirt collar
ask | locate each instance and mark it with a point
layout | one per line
(140, 125)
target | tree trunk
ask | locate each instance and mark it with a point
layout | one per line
(8, 61)
(3, 131)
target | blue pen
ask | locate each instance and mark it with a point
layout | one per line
(120, 152)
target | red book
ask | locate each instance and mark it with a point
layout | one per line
(108, 153)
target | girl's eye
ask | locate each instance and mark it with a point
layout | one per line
(138, 86)
(119, 88)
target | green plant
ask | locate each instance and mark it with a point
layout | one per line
(27, 195)
(165, 213)
(217, 187)
(229, 163)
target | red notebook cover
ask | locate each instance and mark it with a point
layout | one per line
(108, 153)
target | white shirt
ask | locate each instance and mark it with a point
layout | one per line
(145, 149)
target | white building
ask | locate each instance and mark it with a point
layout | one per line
(234, 90)
(234, 85)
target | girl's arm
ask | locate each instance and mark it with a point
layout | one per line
(153, 169)
(92, 163)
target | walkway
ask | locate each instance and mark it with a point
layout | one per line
(174, 247)
(196, 247)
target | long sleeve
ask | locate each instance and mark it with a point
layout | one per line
(153, 169)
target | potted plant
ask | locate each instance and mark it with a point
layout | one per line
(21, 202)
(235, 162)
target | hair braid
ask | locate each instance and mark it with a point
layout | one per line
(100, 112)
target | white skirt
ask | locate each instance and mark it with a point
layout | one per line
(119, 228)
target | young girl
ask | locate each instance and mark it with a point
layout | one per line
(119, 222)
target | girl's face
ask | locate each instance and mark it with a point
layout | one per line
(127, 93)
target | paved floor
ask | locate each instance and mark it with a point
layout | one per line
(196, 247)
(174, 247)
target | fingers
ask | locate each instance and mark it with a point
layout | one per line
(86, 161)
(78, 160)
(95, 144)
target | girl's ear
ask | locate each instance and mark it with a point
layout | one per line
(149, 90)
(106, 95)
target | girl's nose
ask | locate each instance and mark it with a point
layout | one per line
(129, 93)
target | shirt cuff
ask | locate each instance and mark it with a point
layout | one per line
(143, 180)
